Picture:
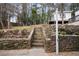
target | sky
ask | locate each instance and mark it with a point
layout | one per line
(39, 1)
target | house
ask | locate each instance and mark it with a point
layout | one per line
(66, 15)
(75, 18)
(77, 15)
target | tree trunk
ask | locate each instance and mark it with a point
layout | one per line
(73, 15)
(8, 22)
(62, 19)
(2, 26)
(62, 14)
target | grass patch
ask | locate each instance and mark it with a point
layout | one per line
(29, 28)
(22, 27)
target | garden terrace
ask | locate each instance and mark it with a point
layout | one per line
(68, 38)
(16, 38)
(14, 34)
(47, 32)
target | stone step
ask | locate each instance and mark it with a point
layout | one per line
(38, 29)
(37, 44)
(38, 35)
(38, 38)
(38, 41)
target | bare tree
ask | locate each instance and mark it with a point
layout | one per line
(7, 11)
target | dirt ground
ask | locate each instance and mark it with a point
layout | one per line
(35, 52)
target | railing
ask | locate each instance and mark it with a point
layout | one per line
(30, 38)
(74, 19)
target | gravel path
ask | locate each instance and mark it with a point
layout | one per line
(35, 52)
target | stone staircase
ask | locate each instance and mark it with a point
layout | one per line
(38, 39)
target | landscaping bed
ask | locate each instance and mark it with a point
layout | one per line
(15, 39)
(68, 39)
(14, 33)
(66, 43)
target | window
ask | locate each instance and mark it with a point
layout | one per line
(63, 15)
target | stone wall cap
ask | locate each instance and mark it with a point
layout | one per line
(13, 38)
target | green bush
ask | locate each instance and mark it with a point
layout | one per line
(76, 33)
(65, 31)
(62, 32)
